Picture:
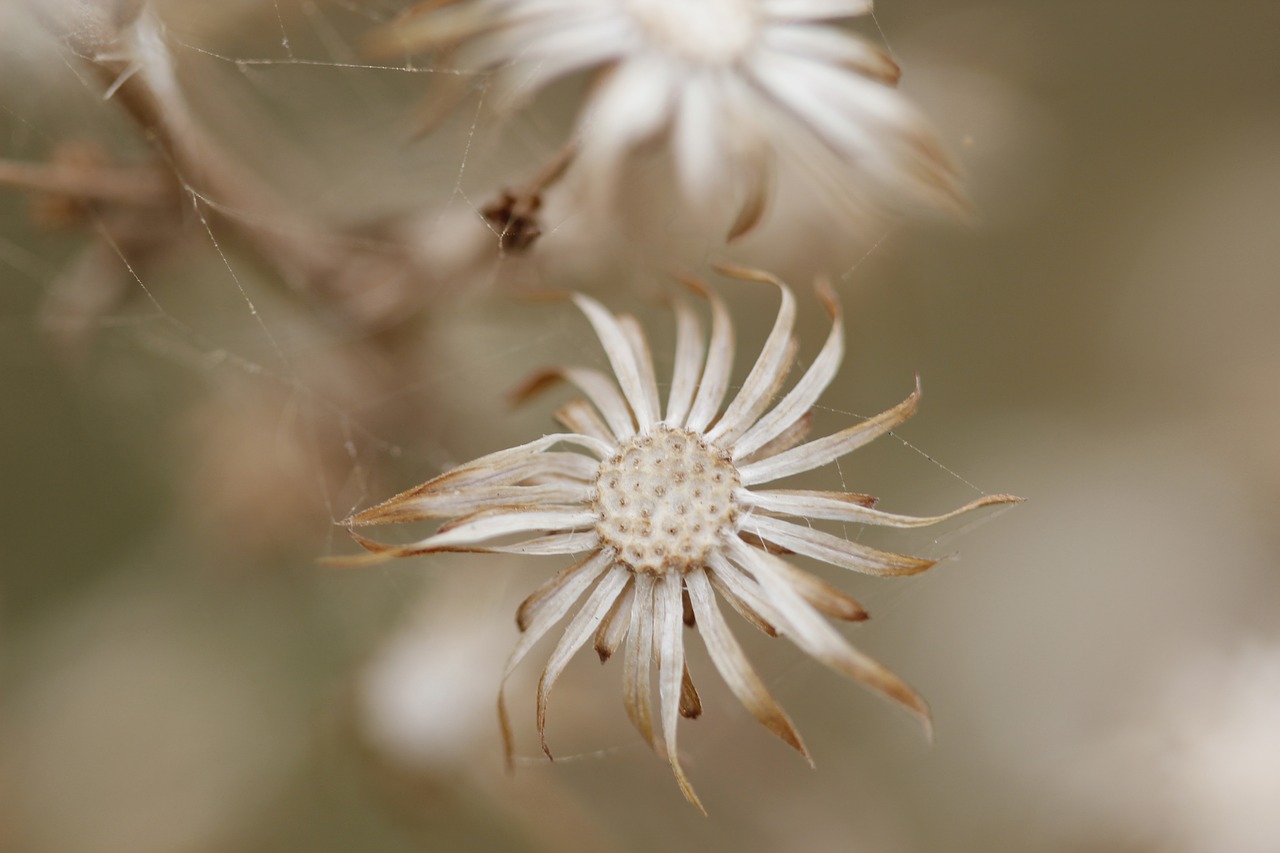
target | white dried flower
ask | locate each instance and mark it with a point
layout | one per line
(737, 87)
(666, 505)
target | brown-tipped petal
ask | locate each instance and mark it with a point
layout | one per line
(835, 550)
(815, 10)
(690, 701)
(799, 399)
(357, 561)
(558, 603)
(671, 671)
(580, 416)
(733, 665)
(759, 178)
(614, 342)
(820, 451)
(742, 595)
(638, 659)
(425, 28)
(581, 626)
(480, 527)
(536, 600)
(639, 344)
(787, 439)
(808, 630)
(719, 363)
(688, 362)
(598, 387)
(557, 543)
(828, 44)
(468, 501)
(836, 506)
(797, 497)
(824, 597)
(768, 371)
(500, 468)
(613, 629)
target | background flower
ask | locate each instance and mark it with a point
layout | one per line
(739, 90)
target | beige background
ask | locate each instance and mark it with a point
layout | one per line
(1103, 661)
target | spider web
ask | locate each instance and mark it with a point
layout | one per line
(284, 86)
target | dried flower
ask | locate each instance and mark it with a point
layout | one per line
(667, 509)
(734, 85)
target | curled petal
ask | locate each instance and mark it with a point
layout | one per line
(806, 392)
(558, 604)
(583, 625)
(770, 368)
(837, 506)
(506, 466)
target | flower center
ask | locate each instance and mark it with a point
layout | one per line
(665, 499)
(713, 32)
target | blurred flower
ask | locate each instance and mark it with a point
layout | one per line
(733, 85)
(668, 518)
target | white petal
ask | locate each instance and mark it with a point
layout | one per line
(833, 508)
(492, 524)
(671, 671)
(820, 451)
(700, 152)
(644, 359)
(632, 104)
(834, 550)
(715, 374)
(615, 345)
(639, 658)
(688, 361)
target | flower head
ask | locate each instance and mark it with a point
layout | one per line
(737, 88)
(666, 505)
